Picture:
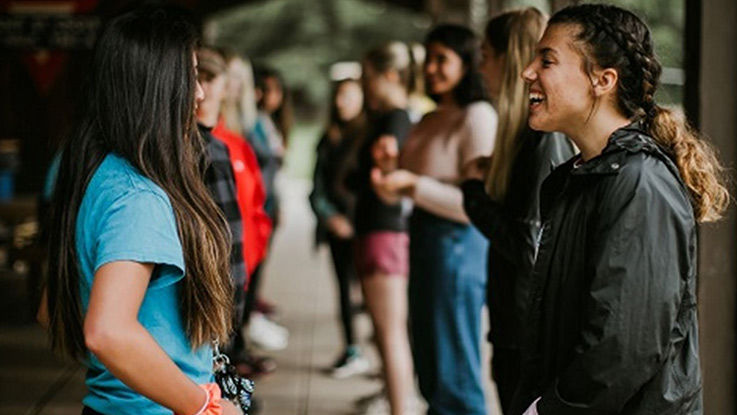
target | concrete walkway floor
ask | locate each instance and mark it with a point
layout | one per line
(297, 278)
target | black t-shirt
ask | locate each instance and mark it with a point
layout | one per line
(371, 213)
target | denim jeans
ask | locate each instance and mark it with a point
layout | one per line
(447, 290)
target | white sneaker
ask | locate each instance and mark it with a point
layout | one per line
(266, 334)
(351, 363)
(376, 405)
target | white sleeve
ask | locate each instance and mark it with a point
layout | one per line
(442, 199)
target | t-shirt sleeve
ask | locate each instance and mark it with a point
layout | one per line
(141, 227)
(397, 124)
(479, 132)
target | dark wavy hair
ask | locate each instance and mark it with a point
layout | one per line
(611, 37)
(140, 105)
(463, 42)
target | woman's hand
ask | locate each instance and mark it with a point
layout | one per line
(391, 187)
(340, 226)
(229, 408)
(385, 153)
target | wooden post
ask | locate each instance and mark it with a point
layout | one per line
(717, 117)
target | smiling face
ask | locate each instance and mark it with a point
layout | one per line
(348, 100)
(273, 94)
(443, 68)
(560, 91)
(214, 90)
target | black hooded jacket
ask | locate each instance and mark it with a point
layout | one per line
(611, 325)
(512, 226)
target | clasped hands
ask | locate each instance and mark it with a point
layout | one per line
(390, 183)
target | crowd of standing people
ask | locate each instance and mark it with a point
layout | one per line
(539, 185)
(530, 171)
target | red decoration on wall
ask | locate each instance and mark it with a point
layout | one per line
(44, 67)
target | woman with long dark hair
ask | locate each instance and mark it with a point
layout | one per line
(333, 201)
(612, 324)
(138, 282)
(502, 199)
(447, 254)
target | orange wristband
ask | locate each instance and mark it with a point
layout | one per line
(212, 405)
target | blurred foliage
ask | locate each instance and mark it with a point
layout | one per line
(303, 38)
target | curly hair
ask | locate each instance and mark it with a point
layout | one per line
(611, 37)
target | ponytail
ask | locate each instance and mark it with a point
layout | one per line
(697, 163)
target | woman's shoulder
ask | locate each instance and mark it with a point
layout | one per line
(480, 114)
(645, 173)
(480, 109)
(117, 179)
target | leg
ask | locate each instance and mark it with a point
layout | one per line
(458, 309)
(386, 299)
(341, 251)
(252, 293)
(447, 293)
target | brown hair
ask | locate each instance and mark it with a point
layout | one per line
(395, 56)
(210, 63)
(611, 37)
(515, 35)
(154, 129)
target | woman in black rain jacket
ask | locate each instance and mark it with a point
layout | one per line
(611, 326)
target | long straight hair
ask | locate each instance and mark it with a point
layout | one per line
(140, 106)
(514, 35)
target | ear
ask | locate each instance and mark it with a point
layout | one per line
(605, 81)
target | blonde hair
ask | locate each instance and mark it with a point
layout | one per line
(240, 111)
(394, 56)
(513, 34)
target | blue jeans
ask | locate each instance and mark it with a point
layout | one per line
(447, 290)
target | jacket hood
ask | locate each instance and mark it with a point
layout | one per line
(623, 142)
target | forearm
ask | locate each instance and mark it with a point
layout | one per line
(135, 358)
(442, 199)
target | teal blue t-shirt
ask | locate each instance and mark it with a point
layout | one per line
(124, 216)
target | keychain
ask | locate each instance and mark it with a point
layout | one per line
(234, 387)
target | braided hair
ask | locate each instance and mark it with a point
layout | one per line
(611, 37)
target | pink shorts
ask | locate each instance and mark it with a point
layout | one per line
(384, 252)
